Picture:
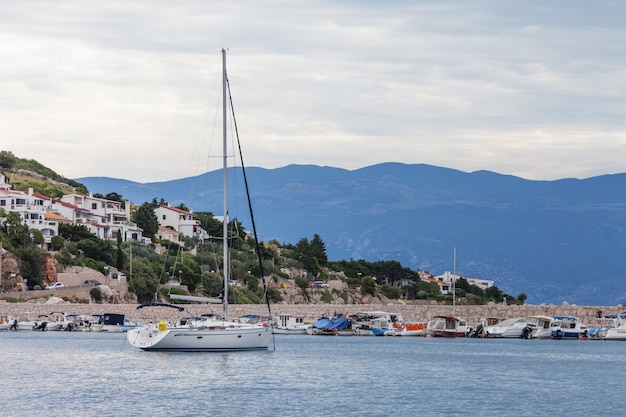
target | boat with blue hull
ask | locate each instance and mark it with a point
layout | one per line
(568, 327)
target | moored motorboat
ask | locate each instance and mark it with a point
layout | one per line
(288, 324)
(513, 327)
(376, 323)
(541, 327)
(330, 326)
(567, 327)
(8, 322)
(447, 326)
(618, 332)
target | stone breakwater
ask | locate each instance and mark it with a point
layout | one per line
(311, 312)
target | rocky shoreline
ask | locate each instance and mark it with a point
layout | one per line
(411, 312)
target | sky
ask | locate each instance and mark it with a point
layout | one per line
(127, 89)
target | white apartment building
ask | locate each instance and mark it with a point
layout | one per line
(34, 209)
(181, 221)
(450, 277)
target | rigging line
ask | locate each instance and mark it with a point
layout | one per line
(167, 250)
(245, 180)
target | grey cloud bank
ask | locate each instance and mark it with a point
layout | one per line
(126, 89)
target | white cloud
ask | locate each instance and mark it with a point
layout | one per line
(122, 88)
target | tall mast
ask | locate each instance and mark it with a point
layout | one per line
(454, 283)
(225, 169)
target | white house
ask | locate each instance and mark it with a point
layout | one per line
(167, 233)
(104, 218)
(450, 277)
(32, 208)
(182, 221)
(445, 287)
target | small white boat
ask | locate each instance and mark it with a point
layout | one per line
(567, 327)
(8, 322)
(513, 327)
(376, 323)
(112, 323)
(27, 321)
(288, 324)
(541, 327)
(447, 326)
(617, 332)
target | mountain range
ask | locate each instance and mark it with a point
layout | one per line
(554, 241)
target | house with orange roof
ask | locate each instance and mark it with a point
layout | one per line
(105, 218)
(444, 286)
(168, 233)
(182, 221)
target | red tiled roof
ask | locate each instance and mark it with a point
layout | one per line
(177, 210)
(54, 216)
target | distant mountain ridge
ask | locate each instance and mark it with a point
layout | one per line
(556, 241)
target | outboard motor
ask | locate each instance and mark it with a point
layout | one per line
(478, 332)
(527, 333)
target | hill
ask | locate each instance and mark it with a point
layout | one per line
(555, 241)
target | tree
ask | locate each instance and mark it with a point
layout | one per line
(390, 291)
(143, 282)
(494, 294)
(145, 218)
(155, 204)
(209, 223)
(17, 232)
(75, 232)
(368, 286)
(97, 249)
(7, 159)
(57, 242)
(37, 237)
(318, 250)
(31, 264)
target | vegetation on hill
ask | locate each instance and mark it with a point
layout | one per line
(160, 263)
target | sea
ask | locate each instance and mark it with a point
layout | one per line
(99, 374)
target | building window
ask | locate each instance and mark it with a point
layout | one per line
(94, 206)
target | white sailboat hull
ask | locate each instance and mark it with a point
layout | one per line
(232, 337)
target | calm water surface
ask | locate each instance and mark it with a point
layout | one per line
(99, 374)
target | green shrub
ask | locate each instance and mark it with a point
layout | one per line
(96, 295)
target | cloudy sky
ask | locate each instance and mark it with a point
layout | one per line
(126, 89)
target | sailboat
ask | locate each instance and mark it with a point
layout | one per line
(206, 334)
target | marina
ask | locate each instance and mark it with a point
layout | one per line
(313, 376)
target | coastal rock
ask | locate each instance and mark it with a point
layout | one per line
(55, 300)
(111, 296)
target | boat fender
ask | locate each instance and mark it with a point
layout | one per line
(162, 326)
